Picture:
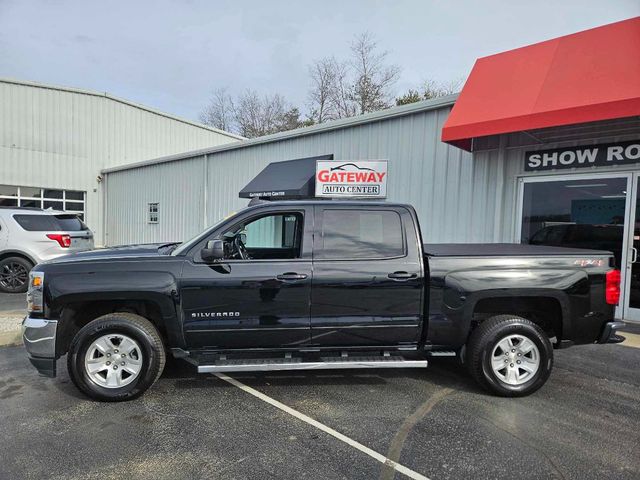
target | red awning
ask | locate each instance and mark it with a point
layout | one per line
(584, 77)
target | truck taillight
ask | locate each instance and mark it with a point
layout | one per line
(63, 240)
(612, 287)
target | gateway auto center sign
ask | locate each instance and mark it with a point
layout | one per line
(351, 178)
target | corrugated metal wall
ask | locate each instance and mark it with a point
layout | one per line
(57, 138)
(455, 199)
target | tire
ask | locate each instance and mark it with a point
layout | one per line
(486, 354)
(140, 357)
(14, 274)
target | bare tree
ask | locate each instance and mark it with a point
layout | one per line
(430, 89)
(374, 78)
(256, 116)
(433, 89)
(321, 95)
(218, 112)
(342, 95)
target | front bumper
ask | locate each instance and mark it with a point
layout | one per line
(39, 337)
(608, 334)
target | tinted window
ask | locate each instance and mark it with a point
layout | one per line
(50, 223)
(70, 223)
(353, 234)
(71, 195)
(52, 194)
(53, 205)
(30, 203)
(9, 202)
(37, 223)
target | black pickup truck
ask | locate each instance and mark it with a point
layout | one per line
(316, 285)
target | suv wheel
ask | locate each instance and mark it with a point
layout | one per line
(14, 274)
(509, 356)
(116, 357)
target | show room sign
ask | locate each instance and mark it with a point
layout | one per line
(351, 178)
(579, 157)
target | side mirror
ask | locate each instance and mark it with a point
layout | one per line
(213, 250)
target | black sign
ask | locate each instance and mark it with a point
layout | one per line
(579, 157)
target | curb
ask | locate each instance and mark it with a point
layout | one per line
(11, 328)
(10, 339)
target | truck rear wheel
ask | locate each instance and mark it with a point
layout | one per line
(116, 357)
(509, 356)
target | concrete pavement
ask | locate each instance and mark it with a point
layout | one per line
(12, 311)
(584, 424)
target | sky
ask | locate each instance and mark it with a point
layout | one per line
(170, 55)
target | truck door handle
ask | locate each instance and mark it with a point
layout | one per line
(291, 276)
(402, 276)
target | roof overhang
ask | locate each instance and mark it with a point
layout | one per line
(585, 77)
(285, 180)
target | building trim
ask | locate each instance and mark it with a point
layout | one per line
(106, 95)
(394, 112)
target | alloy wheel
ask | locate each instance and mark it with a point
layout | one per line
(13, 276)
(113, 360)
(515, 359)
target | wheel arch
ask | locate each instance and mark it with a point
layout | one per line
(76, 315)
(546, 310)
(17, 253)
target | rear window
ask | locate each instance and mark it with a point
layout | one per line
(50, 223)
(70, 223)
(358, 234)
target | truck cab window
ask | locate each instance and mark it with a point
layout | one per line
(360, 234)
(277, 236)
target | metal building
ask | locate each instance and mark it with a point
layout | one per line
(55, 141)
(193, 190)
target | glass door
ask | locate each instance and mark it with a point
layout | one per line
(583, 211)
(631, 297)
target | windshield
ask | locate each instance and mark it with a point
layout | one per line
(190, 243)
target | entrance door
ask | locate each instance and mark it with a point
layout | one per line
(631, 298)
(585, 211)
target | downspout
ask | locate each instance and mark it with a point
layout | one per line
(205, 190)
(105, 210)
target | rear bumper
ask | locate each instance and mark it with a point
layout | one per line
(39, 337)
(608, 334)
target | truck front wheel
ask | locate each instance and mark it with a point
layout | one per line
(116, 357)
(509, 356)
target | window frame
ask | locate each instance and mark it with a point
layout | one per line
(150, 213)
(318, 244)
(305, 255)
(282, 227)
(19, 198)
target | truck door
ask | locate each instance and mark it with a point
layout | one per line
(367, 277)
(258, 302)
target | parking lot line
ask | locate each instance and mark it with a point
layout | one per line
(320, 426)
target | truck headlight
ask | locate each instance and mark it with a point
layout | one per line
(35, 296)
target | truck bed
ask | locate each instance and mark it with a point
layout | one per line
(502, 250)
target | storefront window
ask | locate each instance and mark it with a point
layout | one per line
(575, 213)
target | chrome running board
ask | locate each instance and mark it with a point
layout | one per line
(328, 363)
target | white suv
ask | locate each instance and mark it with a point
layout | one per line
(29, 236)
